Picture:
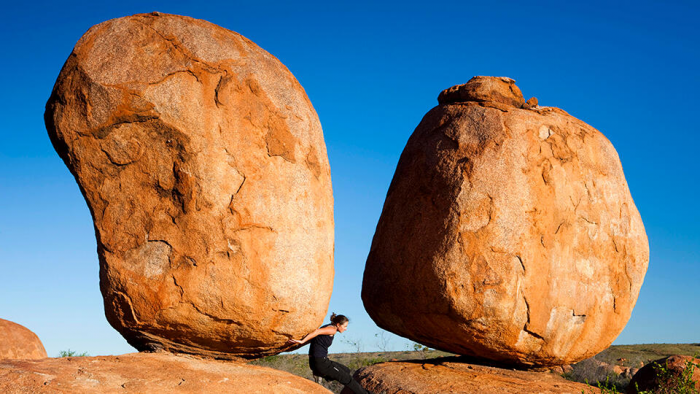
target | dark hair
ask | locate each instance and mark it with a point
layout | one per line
(339, 319)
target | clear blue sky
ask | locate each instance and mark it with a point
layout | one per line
(631, 70)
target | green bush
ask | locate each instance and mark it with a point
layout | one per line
(72, 353)
(669, 383)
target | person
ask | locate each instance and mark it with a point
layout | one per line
(321, 339)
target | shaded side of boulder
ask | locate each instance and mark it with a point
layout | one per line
(205, 170)
(146, 373)
(452, 376)
(675, 373)
(507, 233)
(18, 342)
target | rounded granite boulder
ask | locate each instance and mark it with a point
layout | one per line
(204, 167)
(17, 342)
(508, 233)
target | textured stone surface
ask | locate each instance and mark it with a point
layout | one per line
(146, 373)
(18, 342)
(204, 167)
(481, 89)
(508, 234)
(450, 376)
(648, 377)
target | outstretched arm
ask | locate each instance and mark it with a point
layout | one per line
(330, 330)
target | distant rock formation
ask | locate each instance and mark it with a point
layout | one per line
(650, 377)
(146, 373)
(204, 167)
(451, 375)
(507, 233)
(17, 342)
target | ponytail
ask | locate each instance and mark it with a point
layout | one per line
(338, 319)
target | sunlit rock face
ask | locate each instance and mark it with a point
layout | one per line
(508, 233)
(17, 342)
(152, 373)
(204, 167)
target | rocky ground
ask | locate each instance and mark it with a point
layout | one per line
(616, 364)
(146, 373)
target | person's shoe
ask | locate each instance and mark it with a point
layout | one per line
(318, 379)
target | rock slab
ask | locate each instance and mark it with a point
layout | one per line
(204, 167)
(146, 373)
(441, 376)
(17, 342)
(508, 233)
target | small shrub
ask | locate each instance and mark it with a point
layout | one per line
(382, 341)
(72, 353)
(357, 345)
(670, 383)
(421, 349)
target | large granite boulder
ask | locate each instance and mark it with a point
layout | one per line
(452, 375)
(18, 342)
(146, 373)
(508, 233)
(205, 170)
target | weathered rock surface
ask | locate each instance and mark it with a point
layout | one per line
(450, 376)
(507, 233)
(205, 170)
(650, 378)
(18, 342)
(146, 373)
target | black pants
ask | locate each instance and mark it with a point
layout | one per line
(331, 370)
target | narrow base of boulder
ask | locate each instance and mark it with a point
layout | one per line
(146, 373)
(448, 375)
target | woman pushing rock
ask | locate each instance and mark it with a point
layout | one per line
(321, 366)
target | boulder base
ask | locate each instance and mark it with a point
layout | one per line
(507, 233)
(447, 375)
(146, 373)
(19, 343)
(204, 167)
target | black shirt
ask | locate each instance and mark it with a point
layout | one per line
(319, 345)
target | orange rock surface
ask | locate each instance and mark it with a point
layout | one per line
(146, 373)
(507, 233)
(18, 342)
(205, 170)
(450, 376)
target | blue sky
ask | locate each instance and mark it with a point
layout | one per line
(629, 69)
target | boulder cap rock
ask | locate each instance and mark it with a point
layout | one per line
(146, 373)
(507, 233)
(452, 375)
(203, 164)
(484, 89)
(18, 342)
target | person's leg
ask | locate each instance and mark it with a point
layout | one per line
(329, 371)
(341, 367)
(355, 387)
(332, 370)
(314, 371)
(346, 378)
